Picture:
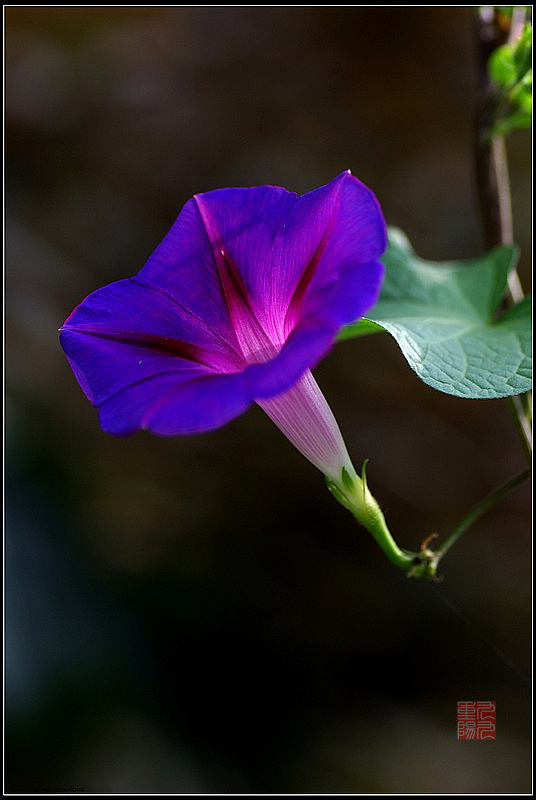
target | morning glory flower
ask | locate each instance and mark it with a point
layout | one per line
(242, 298)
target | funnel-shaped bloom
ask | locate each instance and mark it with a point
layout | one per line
(243, 296)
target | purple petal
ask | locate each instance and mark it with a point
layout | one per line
(129, 310)
(304, 349)
(245, 293)
(315, 334)
(337, 303)
(255, 344)
(246, 222)
(342, 277)
(287, 248)
(135, 386)
(174, 403)
(183, 268)
(105, 367)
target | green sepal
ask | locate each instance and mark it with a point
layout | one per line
(337, 493)
(347, 480)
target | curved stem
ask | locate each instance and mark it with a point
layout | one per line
(352, 492)
(518, 406)
(354, 495)
(492, 178)
(377, 526)
(478, 510)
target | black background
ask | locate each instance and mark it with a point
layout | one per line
(197, 614)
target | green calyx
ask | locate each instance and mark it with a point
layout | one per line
(353, 493)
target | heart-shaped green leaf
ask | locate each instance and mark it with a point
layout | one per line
(443, 316)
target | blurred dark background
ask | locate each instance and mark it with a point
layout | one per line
(198, 614)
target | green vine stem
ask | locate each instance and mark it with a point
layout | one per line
(426, 566)
(520, 409)
(480, 509)
(492, 178)
(495, 202)
(353, 493)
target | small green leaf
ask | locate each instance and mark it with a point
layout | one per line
(443, 318)
(522, 93)
(522, 51)
(509, 66)
(348, 481)
(501, 66)
(509, 63)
